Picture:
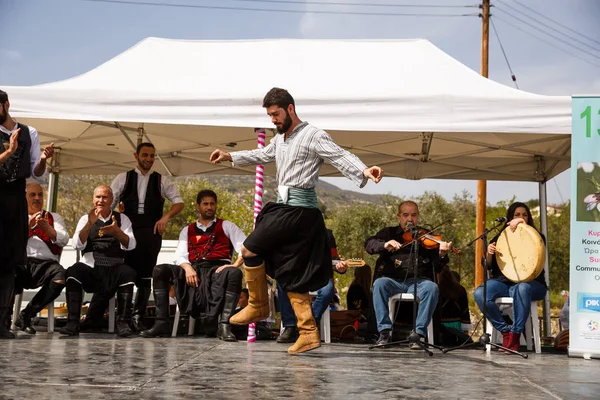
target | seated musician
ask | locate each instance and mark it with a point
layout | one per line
(47, 237)
(394, 271)
(290, 332)
(103, 236)
(523, 293)
(207, 284)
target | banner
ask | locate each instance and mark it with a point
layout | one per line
(584, 319)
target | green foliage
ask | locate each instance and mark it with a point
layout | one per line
(352, 219)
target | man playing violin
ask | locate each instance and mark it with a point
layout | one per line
(394, 270)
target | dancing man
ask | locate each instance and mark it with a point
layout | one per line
(290, 240)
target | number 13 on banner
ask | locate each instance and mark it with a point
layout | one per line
(587, 116)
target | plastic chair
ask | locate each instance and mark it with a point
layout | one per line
(17, 310)
(325, 325)
(191, 325)
(393, 302)
(532, 327)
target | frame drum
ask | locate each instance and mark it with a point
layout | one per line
(520, 254)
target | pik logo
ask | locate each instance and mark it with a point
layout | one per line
(588, 302)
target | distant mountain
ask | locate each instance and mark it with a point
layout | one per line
(330, 195)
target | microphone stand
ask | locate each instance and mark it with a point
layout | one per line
(485, 339)
(413, 337)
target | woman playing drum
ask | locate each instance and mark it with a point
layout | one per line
(523, 293)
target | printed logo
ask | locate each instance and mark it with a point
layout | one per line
(588, 302)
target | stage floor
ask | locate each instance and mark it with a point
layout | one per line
(95, 366)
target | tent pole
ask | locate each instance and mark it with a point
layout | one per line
(547, 331)
(51, 202)
(482, 185)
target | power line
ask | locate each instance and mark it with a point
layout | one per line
(556, 22)
(553, 28)
(546, 33)
(547, 42)
(327, 3)
(512, 75)
(380, 14)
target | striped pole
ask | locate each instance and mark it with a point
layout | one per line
(258, 204)
(260, 171)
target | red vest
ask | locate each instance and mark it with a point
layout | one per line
(55, 249)
(210, 245)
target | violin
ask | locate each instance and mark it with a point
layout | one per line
(426, 239)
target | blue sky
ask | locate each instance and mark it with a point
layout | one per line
(44, 41)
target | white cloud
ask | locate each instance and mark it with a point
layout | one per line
(12, 55)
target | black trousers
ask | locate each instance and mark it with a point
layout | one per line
(205, 301)
(100, 279)
(13, 239)
(143, 258)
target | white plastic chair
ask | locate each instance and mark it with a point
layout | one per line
(17, 310)
(532, 327)
(325, 324)
(393, 302)
(191, 324)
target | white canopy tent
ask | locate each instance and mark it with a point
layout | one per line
(401, 104)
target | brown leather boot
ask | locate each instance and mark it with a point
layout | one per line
(308, 338)
(258, 298)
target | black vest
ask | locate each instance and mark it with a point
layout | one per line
(18, 166)
(153, 203)
(106, 246)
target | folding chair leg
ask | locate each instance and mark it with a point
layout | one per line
(16, 310)
(535, 325)
(111, 315)
(51, 317)
(176, 321)
(325, 327)
(191, 326)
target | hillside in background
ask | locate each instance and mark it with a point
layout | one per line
(331, 196)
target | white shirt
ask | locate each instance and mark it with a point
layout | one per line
(34, 151)
(37, 248)
(300, 157)
(168, 189)
(231, 230)
(88, 258)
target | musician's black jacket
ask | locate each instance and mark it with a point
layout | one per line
(399, 265)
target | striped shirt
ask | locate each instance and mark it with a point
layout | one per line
(300, 157)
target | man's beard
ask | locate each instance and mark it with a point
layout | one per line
(286, 124)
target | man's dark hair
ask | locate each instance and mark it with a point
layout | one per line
(278, 97)
(145, 144)
(3, 97)
(205, 193)
(244, 290)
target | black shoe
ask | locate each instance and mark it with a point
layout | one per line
(161, 325)
(288, 335)
(23, 322)
(123, 329)
(5, 332)
(70, 329)
(161, 328)
(224, 333)
(385, 336)
(137, 323)
(91, 325)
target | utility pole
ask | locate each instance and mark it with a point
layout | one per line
(482, 185)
